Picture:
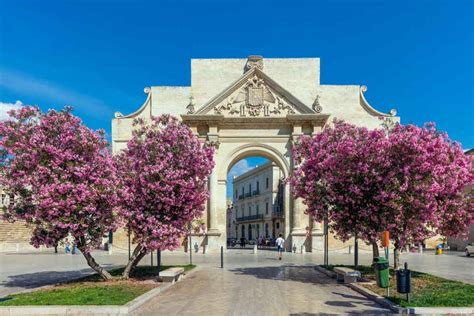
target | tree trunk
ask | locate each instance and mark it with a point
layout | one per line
(375, 250)
(137, 255)
(396, 258)
(104, 274)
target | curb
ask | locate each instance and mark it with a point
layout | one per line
(377, 298)
(382, 301)
(91, 309)
(396, 308)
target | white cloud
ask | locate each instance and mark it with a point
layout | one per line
(58, 95)
(239, 168)
(5, 107)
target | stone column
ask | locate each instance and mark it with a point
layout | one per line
(213, 202)
(298, 233)
(317, 233)
(215, 233)
(317, 236)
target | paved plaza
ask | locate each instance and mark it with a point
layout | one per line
(281, 289)
(23, 271)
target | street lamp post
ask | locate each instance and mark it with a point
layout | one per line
(326, 243)
(190, 245)
(129, 252)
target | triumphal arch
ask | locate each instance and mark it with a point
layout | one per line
(254, 107)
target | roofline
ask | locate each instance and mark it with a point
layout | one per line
(266, 165)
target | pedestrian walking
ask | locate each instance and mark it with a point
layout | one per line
(67, 248)
(280, 243)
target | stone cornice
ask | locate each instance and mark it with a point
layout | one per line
(315, 119)
(319, 119)
(202, 118)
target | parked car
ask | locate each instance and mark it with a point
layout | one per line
(470, 249)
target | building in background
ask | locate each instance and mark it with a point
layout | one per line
(229, 218)
(258, 206)
(13, 236)
(461, 243)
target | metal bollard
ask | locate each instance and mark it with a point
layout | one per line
(158, 261)
(222, 257)
(255, 249)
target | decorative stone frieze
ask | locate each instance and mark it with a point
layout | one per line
(255, 98)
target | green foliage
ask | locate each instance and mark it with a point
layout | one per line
(427, 290)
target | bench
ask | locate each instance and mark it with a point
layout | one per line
(171, 274)
(346, 274)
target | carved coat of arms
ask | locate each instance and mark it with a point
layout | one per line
(255, 98)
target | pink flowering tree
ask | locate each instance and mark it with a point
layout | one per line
(164, 172)
(62, 177)
(428, 175)
(341, 175)
(408, 180)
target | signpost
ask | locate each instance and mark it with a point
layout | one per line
(385, 244)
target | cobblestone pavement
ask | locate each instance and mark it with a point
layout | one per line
(22, 271)
(282, 289)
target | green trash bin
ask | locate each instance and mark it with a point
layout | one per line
(381, 272)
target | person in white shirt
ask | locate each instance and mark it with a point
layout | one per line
(280, 243)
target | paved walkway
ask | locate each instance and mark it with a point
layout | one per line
(273, 289)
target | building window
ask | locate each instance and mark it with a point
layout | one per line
(12, 198)
(266, 230)
(258, 186)
(236, 194)
(243, 231)
(250, 188)
(266, 208)
(278, 225)
(258, 231)
(257, 209)
(266, 182)
(250, 210)
(243, 191)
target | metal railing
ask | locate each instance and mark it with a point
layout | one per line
(277, 211)
(249, 218)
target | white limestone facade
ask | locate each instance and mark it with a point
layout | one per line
(258, 204)
(254, 107)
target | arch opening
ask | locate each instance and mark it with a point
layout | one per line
(256, 199)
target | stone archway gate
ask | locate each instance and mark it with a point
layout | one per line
(243, 111)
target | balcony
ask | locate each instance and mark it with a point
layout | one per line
(250, 218)
(256, 192)
(248, 194)
(278, 212)
(241, 197)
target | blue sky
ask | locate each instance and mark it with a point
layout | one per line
(416, 56)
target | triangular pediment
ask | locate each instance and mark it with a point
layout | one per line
(255, 94)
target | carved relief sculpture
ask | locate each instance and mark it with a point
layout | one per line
(254, 98)
(316, 106)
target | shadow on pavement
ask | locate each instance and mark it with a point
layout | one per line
(37, 279)
(304, 274)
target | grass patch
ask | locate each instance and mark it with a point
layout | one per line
(103, 293)
(92, 290)
(426, 290)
